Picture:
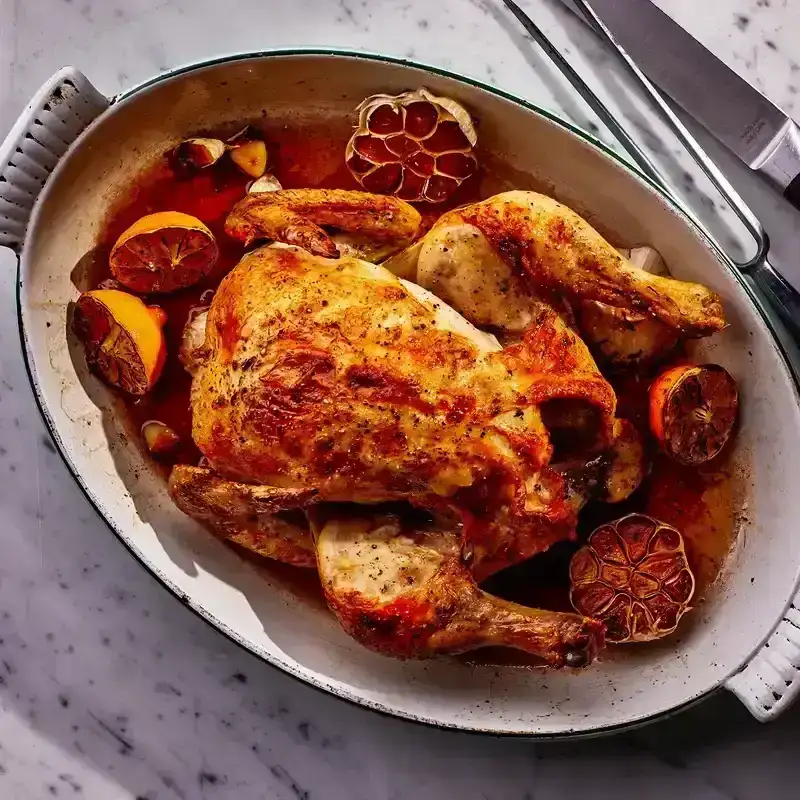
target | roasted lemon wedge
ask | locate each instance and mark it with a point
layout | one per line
(123, 338)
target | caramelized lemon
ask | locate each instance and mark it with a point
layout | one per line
(693, 411)
(123, 338)
(163, 252)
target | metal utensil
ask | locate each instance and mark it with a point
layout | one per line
(773, 286)
(749, 124)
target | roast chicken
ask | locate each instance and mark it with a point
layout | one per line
(333, 375)
(321, 379)
(405, 591)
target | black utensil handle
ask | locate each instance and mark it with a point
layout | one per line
(792, 192)
(783, 297)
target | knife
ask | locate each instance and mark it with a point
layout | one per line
(749, 124)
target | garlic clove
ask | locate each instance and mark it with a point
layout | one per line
(159, 438)
(266, 183)
(250, 157)
(199, 153)
(191, 353)
(649, 260)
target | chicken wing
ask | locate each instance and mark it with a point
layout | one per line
(295, 216)
(256, 517)
(406, 592)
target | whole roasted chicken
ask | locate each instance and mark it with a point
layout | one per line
(334, 376)
(321, 379)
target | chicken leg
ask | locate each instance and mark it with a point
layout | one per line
(525, 244)
(406, 592)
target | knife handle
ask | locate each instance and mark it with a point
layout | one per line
(783, 297)
(782, 164)
(792, 192)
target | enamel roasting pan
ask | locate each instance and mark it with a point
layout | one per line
(73, 152)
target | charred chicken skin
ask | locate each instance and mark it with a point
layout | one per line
(406, 592)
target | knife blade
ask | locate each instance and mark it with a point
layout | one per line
(749, 124)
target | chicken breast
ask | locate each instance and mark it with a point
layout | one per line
(335, 376)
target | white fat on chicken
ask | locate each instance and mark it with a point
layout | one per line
(448, 319)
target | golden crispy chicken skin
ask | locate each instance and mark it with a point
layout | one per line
(294, 216)
(334, 375)
(406, 592)
(523, 244)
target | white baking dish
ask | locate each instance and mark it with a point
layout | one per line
(56, 183)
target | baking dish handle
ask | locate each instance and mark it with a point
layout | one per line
(53, 119)
(770, 682)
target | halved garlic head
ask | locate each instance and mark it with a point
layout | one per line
(415, 145)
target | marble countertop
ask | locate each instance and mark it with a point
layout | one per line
(109, 687)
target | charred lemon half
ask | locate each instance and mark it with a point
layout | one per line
(693, 410)
(163, 252)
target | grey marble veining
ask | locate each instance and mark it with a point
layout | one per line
(109, 688)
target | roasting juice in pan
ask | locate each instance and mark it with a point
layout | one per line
(698, 502)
